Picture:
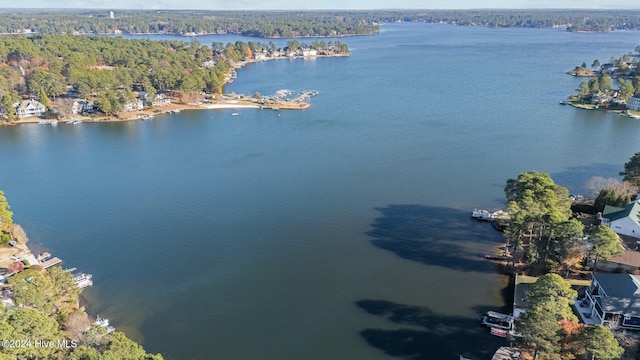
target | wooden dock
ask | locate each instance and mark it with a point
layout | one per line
(51, 262)
(507, 353)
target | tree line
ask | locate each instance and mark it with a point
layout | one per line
(290, 24)
(186, 22)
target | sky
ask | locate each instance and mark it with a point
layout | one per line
(323, 4)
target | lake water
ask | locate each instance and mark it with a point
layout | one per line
(339, 232)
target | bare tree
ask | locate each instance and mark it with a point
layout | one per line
(64, 107)
(76, 324)
(598, 183)
(19, 234)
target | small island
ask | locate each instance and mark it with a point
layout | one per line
(600, 93)
(45, 79)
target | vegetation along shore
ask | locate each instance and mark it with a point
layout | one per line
(43, 79)
(40, 314)
(599, 93)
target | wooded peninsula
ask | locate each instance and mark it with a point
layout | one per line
(70, 74)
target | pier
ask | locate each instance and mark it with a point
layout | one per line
(51, 262)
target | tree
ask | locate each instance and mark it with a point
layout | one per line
(549, 298)
(32, 324)
(606, 244)
(626, 89)
(610, 197)
(571, 244)
(596, 64)
(122, 348)
(605, 84)
(599, 343)
(6, 215)
(553, 294)
(44, 99)
(537, 207)
(539, 329)
(583, 89)
(631, 171)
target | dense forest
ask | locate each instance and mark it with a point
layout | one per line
(572, 20)
(186, 22)
(106, 70)
(291, 24)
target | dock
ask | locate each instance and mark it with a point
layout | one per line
(51, 262)
(506, 353)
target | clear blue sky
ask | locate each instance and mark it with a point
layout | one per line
(323, 4)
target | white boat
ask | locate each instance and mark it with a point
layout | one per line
(74, 122)
(481, 215)
(234, 114)
(53, 123)
(83, 280)
(43, 122)
(498, 321)
(104, 323)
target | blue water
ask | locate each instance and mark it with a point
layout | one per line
(338, 232)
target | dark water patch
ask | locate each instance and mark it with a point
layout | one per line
(435, 236)
(441, 336)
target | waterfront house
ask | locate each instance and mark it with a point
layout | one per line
(160, 100)
(29, 108)
(612, 300)
(634, 103)
(623, 220)
(209, 64)
(133, 106)
(260, 55)
(81, 106)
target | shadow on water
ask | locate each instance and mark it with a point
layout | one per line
(435, 236)
(433, 336)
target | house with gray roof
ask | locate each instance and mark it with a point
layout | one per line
(612, 300)
(28, 108)
(633, 103)
(624, 220)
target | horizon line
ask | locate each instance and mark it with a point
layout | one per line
(328, 9)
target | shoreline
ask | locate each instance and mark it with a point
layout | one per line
(148, 113)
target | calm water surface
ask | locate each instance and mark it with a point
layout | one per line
(340, 232)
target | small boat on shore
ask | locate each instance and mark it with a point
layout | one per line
(104, 323)
(74, 122)
(83, 280)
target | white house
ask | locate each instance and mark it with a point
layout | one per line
(133, 106)
(612, 300)
(634, 103)
(161, 100)
(79, 106)
(209, 64)
(624, 220)
(29, 108)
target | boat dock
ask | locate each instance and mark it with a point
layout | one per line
(51, 262)
(506, 353)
